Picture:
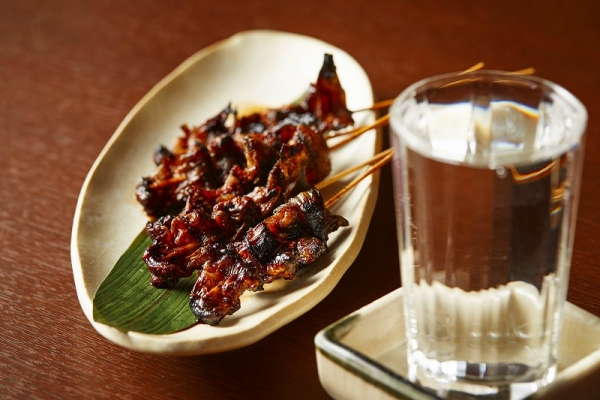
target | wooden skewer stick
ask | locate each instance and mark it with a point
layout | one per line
(352, 134)
(520, 178)
(526, 71)
(386, 103)
(340, 175)
(475, 67)
(377, 106)
(346, 189)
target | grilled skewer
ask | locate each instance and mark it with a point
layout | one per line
(235, 201)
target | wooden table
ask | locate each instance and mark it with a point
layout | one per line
(71, 70)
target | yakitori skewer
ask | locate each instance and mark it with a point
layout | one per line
(293, 237)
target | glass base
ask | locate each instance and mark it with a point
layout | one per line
(462, 380)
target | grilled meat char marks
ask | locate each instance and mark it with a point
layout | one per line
(323, 108)
(327, 100)
(180, 244)
(292, 238)
(194, 162)
(232, 198)
(189, 170)
(204, 156)
(186, 242)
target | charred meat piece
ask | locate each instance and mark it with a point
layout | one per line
(292, 238)
(319, 163)
(323, 108)
(186, 242)
(165, 192)
(179, 244)
(259, 158)
(327, 100)
(195, 161)
(234, 164)
(273, 118)
(203, 158)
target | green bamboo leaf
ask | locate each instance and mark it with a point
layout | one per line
(127, 301)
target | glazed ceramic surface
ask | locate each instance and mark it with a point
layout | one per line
(264, 68)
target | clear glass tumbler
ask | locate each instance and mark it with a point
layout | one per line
(487, 169)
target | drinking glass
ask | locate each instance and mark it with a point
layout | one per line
(487, 168)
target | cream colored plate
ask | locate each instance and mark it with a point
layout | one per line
(256, 67)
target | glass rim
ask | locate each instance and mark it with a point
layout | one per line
(579, 112)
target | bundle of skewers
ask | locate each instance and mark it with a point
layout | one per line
(237, 199)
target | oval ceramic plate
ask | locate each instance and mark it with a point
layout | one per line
(256, 67)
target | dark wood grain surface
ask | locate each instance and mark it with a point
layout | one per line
(71, 70)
